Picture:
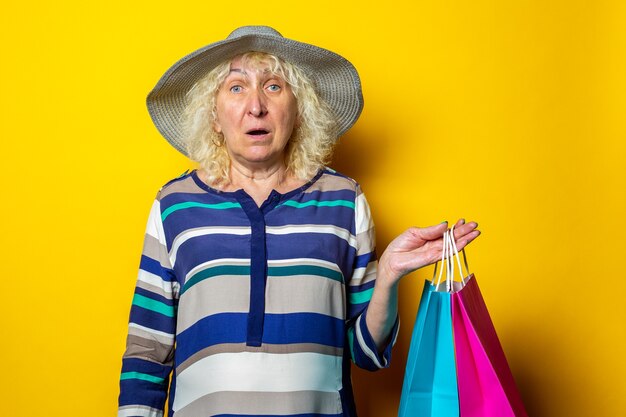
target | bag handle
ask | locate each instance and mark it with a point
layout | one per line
(456, 254)
(450, 251)
(444, 253)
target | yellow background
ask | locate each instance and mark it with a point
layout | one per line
(509, 113)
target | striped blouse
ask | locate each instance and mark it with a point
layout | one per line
(257, 310)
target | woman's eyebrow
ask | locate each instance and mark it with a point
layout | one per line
(238, 70)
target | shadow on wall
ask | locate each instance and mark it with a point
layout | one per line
(359, 155)
(352, 154)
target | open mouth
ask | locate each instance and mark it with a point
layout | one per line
(257, 132)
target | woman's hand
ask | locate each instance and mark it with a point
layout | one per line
(418, 247)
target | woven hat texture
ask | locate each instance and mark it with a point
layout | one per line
(335, 79)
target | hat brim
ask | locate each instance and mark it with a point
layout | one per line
(335, 80)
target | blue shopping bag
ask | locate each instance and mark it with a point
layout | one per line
(430, 384)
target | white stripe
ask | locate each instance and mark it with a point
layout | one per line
(313, 228)
(368, 352)
(395, 336)
(204, 231)
(357, 275)
(304, 261)
(164, 335)
(138, 411)
(156, 281)
(155, 229)
(258, 371)
(214, 262)
(363, 216)
(154, 219)
(364, 274)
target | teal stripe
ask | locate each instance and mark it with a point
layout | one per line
(329, 203)
(283, 271)
(351, 342)
(193, 204)
(361, 297)
(142, 376)
(214, 272)
(153, 305)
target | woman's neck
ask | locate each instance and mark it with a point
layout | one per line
(243, 175)
(258, 182)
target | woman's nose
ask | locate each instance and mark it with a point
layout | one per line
(257, 105)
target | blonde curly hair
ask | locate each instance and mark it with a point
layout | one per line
(311, 143)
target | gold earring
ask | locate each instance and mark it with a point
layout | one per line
(218, 143)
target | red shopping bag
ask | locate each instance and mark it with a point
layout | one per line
(486, 385)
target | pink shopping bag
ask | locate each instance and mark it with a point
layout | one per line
(486, 385)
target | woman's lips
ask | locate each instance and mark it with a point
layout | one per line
(258, 134)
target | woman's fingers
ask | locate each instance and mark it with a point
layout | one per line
(464, 233)
(431, 232)
(460, 230)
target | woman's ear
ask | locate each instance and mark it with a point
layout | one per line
(217, 127)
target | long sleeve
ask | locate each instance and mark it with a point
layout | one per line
(148, 359)
(363, 349)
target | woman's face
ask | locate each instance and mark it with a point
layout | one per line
(256, 113)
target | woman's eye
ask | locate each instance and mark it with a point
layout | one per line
(236, 89)
(274, 87)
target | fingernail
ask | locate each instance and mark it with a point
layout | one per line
(445, 221)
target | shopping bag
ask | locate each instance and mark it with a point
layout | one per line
(430, 385)
(483, 381)
(486, 385)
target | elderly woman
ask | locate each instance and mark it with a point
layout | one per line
(259, 281)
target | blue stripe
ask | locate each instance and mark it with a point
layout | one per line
(343, 194)
(278, 329)
(281, 415)
(335, 216)
(362, 287)
(314, 245)
(201, 249)
(304, 328)
(209, 331)
(154, 267)
(140, 392)
(152, 320)
(363, 260)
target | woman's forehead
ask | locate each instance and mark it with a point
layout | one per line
(247, 63)
(250, 62)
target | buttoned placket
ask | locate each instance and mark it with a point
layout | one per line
(258, 261)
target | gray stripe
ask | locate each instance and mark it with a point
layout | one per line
(188, 185)
(288, 294)
(152, 248)
(145, 334)
(138, 411)
(259, 403)
(265, 348)
(331, 183)
(305, 293)
(366, 241)
(220, 294)
(154, 289)
(138, 347)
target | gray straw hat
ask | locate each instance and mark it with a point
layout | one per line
(335, 79)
